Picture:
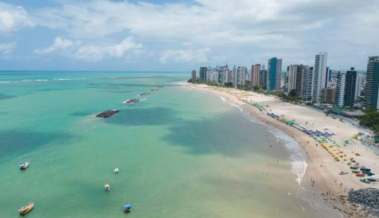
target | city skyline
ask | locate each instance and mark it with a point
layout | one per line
(179, 36)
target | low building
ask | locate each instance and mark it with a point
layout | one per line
(328, 95)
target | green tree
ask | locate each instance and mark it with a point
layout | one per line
(292, 93)
(371, 120)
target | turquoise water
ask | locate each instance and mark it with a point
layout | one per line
(181, 153)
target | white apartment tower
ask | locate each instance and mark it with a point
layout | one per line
(319, 76)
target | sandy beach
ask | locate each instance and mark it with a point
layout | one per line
(322, 176)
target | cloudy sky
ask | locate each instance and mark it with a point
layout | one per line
(185, 34)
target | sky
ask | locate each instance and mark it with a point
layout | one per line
(160, 35)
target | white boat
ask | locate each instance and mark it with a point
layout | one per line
(116, 170)
(24, 166)
(107, 187)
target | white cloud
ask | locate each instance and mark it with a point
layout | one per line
(59, 44)
(7, 48)
(185, 56)
(95, 53)
(233, 30)
(13, 18)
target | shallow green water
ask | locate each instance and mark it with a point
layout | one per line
(181, 153)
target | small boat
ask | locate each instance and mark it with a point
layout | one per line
(24, 166)
(25, 210)
(107, 187)
(343, 173)
(371, 179)
(365, 181)
(116, 170)
(360, 175)
(354, 167)
(363, 169)
(127, 208)
(356, 171)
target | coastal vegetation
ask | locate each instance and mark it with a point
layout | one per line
(371, 120)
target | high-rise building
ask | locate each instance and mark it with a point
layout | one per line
(203, 74)
(346, 85)
(351, 83)
(361, 81)
(319, 76)
(306, 83)
(263, 78)
(293, 72)
(255, 71)
(328, 95)
(341, 83)
(241, 75)
(295, 77)
(284, 82)
(223, 74)
(299, 79)
(274, 74)
(372, 83)
(193, 75)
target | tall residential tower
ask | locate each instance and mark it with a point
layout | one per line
(372, 83)
(319, 76)
(274, 74)
(255, 71)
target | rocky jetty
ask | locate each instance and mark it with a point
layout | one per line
(107, 114)
(131, 101)
(368, 198)
(145, 94)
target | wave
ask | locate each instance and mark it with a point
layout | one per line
(5, 82)
(239, 108)
(222, 99)
(69, 79)
(297, 153)
(34, 80)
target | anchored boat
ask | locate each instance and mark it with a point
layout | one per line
(127, 208)
(107, 187)
(25, 210)
(24, 166)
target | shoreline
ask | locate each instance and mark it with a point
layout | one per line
(321, 175)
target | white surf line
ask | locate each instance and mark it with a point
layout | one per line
(222, 99)
(234, 105)
(297, 153)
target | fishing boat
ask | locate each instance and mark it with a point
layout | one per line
(360, 175)
(371, 179)
(354, 167)
(365, 181)
(343, 173)
(25, 210)
(107, 187)
(116, 170)
(24, 166)
(127, 208)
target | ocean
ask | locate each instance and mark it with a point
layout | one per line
(181, 153)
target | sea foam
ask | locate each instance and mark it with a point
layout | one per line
(239, 108)
(222, 99)
(297, 153)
